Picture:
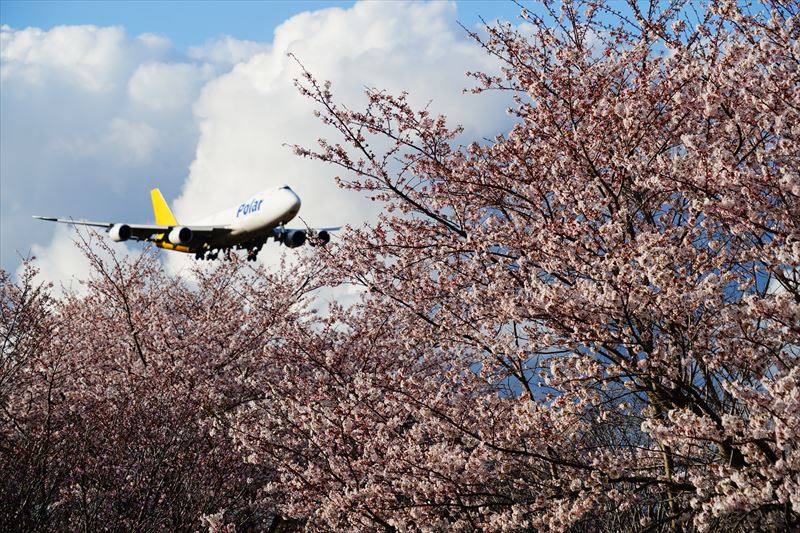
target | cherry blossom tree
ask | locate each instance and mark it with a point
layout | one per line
(114, 400)
(590, 322)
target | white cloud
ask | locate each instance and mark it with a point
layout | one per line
(87, 56)
(130, 142)
(165, 87)
(119, 115)
(227, 51)
(134, 140)
(248, 115)
(154, 42)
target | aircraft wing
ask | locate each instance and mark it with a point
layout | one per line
(143, 232)
(73, 221)
(278, 231)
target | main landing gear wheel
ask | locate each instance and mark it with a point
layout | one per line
(206, 255)
(252, 253)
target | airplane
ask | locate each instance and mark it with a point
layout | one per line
(245, 226)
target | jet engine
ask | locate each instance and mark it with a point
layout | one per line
(323, 237)
(180, 235)
(294, 238)
(120, 232)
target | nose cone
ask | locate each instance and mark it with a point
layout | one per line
(291, 201)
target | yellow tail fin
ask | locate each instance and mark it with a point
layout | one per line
(161, 210)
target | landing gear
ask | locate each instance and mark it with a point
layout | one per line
(253, 247)
(206, 255)
(252, 253)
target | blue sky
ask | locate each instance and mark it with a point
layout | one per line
(188, 23)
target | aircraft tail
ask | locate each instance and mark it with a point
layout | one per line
(161, 210)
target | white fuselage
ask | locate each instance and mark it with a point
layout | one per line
(259, 214)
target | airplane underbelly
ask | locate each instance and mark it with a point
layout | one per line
(232, 239)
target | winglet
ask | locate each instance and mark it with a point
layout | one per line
(161, 210)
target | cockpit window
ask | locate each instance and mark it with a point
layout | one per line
(285, 187)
